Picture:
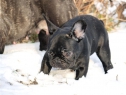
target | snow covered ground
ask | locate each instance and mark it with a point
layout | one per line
(20, 64)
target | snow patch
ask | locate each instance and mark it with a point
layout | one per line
(124, 12)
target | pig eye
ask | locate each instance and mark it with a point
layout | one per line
(50, 53)
(63, 50)
(66, 53)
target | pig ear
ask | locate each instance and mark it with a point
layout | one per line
(78, 30)
(51, 27)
